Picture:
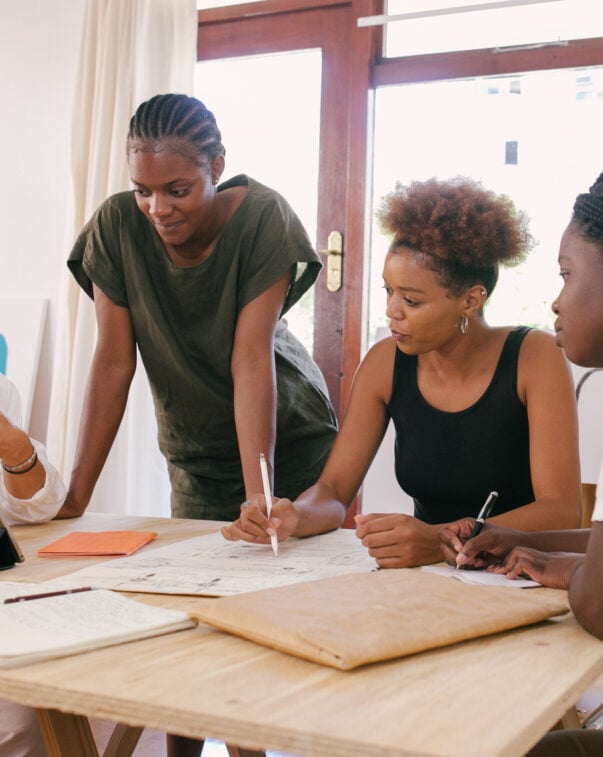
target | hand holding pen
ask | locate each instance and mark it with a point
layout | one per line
(484, 513)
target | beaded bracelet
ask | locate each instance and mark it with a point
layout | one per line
(23, 467)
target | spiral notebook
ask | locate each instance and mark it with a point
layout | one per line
(40, 626)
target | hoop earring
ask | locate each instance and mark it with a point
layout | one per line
(464, 325)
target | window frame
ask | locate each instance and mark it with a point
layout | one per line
(346, 148)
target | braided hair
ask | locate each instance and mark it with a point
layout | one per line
(177, 118)
(588, 212)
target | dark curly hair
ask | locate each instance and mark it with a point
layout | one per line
(463, 231)
(587, 217)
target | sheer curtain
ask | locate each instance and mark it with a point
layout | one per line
(130, 50)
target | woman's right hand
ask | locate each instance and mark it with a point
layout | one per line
(254, 526)
(490, 547)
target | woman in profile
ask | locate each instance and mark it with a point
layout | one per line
(571, 560)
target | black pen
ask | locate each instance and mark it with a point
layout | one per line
(484, 513)
(28, 597)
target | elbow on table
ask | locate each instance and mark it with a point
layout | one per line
(586, 601)
(591, 619)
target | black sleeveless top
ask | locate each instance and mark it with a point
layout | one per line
(449, 462)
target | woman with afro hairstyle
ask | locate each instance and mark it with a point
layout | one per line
(476, 408)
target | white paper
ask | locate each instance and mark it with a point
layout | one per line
(9, 589)
(211, 566)
(481, 577)
(39, 629)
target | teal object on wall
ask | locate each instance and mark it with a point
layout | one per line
(3, 354)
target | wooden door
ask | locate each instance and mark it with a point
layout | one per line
(291, 25)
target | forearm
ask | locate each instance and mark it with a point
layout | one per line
(255, 420)
(104, 404)
(39, 505)
(586, 598)
(319, 510)
(22, 472)
(546, 513)
(574, 540)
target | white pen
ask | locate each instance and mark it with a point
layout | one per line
(268, 498)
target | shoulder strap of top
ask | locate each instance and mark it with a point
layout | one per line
(510, 353)
(405, 377)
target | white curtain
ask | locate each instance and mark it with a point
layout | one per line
(130, 50)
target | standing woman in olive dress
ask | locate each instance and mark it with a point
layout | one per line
(198, 275)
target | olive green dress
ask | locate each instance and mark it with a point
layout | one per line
(184, 323)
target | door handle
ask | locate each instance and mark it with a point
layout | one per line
(334, 253)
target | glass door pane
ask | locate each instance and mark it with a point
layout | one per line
(268, 110)
(533, 136)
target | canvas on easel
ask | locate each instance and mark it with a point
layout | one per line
(21, 327)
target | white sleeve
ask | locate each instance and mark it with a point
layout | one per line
(598, 509)
(44, 504)
(47, 501)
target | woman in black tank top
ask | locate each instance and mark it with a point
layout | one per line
(476, 408)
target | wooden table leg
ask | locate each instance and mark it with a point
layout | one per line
(66, 735)
(571, 719)
(237, 751)
(123, 741)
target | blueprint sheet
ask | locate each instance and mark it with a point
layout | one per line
(211, 566)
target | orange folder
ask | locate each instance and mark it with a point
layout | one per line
(106, 543)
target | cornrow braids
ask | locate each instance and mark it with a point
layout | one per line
(177, 117)
(588, 212)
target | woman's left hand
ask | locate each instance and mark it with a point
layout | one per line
(552, 569)
(254, 526)
(398, 541)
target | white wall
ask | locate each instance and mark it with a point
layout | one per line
(39, 45)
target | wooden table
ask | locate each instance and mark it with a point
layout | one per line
(494, 696)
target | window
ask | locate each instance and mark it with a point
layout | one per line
(546, 22)
(268, 110)
(541, 148)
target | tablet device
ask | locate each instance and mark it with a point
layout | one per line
(10, 552)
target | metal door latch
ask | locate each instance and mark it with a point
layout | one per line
(334, 253)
